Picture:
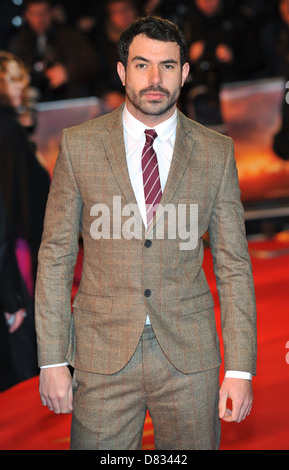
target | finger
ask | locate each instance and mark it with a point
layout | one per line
(246, 412)
(43, 400)
(63, 403)
(236, 412)
(54, 405)
(63, 406)
(70, 400)
(232, 416)
(245, 409)
(50, 403)
(242, 412)
(47, 402)
(228, 416)
(222, 406)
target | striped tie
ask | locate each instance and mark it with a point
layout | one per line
(151, 177)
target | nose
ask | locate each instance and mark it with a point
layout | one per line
(155, 75)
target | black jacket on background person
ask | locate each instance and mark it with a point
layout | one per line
(18, 356)
(23, 181)
(274, 40)
(225, 27)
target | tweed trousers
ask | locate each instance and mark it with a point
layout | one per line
(109, 410)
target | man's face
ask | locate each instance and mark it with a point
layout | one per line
(153, 78)
(39, 17)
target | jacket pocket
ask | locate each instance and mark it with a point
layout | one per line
(92, 303)
(192, 305)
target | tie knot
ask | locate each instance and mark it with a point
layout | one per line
(150, 135)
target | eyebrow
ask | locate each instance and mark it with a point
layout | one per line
(167, 61)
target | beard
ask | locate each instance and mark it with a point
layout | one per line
(153, 107)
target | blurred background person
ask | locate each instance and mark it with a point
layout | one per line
(62, 60)
(274, 40)
(17, 333)
(221, 49)
(23, 181)
(257, 11)
(280, 142)
(172, 10)
(118, 16)
(85, 16)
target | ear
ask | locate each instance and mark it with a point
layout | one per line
(121, 72)
(185, 72)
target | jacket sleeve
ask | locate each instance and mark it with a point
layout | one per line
(233, 271)
(56, 261)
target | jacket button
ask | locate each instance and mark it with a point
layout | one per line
(147, 293)
(148, 243)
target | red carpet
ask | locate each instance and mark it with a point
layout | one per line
(26, 425)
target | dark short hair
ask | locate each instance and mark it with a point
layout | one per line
(154, 28)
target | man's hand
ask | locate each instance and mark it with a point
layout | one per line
(241, 393)
(56, 389)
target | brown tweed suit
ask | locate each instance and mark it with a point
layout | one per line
(110, 309)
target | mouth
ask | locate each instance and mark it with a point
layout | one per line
(154, 96)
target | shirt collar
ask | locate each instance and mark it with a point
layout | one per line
(136, 128)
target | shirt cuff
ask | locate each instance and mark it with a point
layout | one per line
(235, 374)
(55, 365)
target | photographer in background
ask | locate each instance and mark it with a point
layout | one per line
(62, 60)
(221, 49)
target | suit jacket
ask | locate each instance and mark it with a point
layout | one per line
(124, 279)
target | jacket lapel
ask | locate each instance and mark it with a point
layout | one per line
(113, 142)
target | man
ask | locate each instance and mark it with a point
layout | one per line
(63, 62)
(142, 334)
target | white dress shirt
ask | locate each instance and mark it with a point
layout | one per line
(134, 139)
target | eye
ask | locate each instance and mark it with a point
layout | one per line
(141, 66)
